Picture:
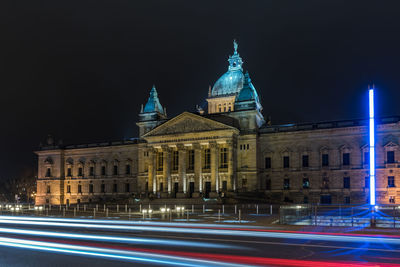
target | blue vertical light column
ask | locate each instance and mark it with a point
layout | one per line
(372, 176)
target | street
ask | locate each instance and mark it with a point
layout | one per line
(36, 241)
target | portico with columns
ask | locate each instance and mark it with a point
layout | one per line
(197, 157)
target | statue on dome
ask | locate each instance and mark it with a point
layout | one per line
(235, 45)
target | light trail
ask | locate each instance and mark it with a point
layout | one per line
(196, 225)
(143, 241)
(216, 231)
(151, 258)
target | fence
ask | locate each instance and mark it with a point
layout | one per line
(384, 216)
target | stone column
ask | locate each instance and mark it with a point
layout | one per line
(214, 166)
(182, 168)
(198, 186)
(166, 168)
(152, 170)
(230, 181)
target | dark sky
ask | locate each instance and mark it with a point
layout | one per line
(81, 69)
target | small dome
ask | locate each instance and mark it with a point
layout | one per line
(229, 83)
(153, 103)
(248, 92)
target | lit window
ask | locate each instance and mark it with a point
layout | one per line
(224, 158)
(175, 160)
(160, 161)
(286, 184)
(392, 199)
(306, 183)
(191, 160)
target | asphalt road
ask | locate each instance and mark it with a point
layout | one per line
(28, 241)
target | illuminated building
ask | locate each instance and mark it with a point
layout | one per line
(227, 148)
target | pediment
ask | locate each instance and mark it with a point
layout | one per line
(187, 123)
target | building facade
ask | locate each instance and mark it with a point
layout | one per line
(225, 150)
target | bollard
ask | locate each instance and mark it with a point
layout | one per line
(63, 212)
(97, 207)
(49, 206)
(143, 215)
(394, 217)
(140, 208)
(235, 209)
(77, 207)
(66, 207)
(240, 215)
(187, 215)
(257, 208)
(60, 207)
(126, 208)
(192, 208)
(104, 207)
(204, 209)
(129, 213)
(219, 215)
(223, 209)
(74, 212)
(106, 212)
(117, 208)
(47, 212)
(94, 213)
(270, 209)
(84, 207)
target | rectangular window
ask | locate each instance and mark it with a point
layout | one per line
(91, 171)
(128, 169)
(224, 158)
(392, 199)
(286, 162)
(268, 163)
(48, 189)
(79, 188)
(305, 161)
(48, 172)
(115, 188)
(346, 182)
(175, 160)
(146, 186)
(244, 183)
(390, 157)
(80, 171)
(325, 160)
(191, 159)
(366, 182)
(115, 172)
(346, 159)
(286, 184)
(103, 170)
(268, 184)
(69, 172)
(160, 161)
(68, 189)
(207, 159)
(306, 183)
(346, 200)
(127, 187)
(305, 200)
(366, 157)
(224, 185)
(391, 181)
(103, 188)
(90, 188)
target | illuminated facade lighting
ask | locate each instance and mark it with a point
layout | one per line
(372, 198)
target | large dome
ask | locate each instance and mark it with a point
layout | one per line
(229, 83)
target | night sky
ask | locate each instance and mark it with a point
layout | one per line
(81, 69)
